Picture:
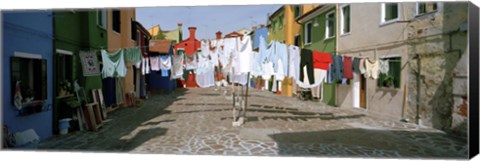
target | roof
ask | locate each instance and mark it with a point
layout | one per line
(160, 46)
(276, 12)
(313, 12)
(233, 34)
(143, 29)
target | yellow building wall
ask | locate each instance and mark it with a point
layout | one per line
(118, 41)
(292, 28)
(154, 30)
(173, 35)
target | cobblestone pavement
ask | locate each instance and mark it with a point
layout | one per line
(199, 121)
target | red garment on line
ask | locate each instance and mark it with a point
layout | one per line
(347, 67)
(321, 60)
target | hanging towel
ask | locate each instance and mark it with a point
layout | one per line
(177, 67)
(90, 65)
(133, 55)
(244, 54)
(154, 63)
(321, 60)
(384, 66)
(280, 54)
(113, 64)
(191, 62)
(347, 67)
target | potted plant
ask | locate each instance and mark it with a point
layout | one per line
(65, 88)
(388, 81)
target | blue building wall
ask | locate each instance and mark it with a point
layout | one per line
(259, 32)
(28, 32)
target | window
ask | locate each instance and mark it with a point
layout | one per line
(426, 7)
(31, 74)
(133, 32)
(330, 25)
(297, 40)
(296, 10)
(102, 18)
(345, 19)
(280, 22)
(116, 20)
(308, 33)
(392, 78)
(389, 12)
(274, 23)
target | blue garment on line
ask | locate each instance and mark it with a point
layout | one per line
(164, 73)
(329, 73)
(337, 70)
(280, 53)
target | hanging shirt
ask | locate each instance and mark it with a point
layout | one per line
(294, 56)
(337, 68)
(165, 62)
(362, 67)
(155, 63)
(177, 67)
(113, 64)
(321, 60)
(244, 54)
(133, 55)
(356, 65)
(384, 66)
(268, 71)
(347, 67)
(191, 62)
(229, 52)
(280, 54)
(372, 69)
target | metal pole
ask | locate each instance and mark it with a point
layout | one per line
(246, 99)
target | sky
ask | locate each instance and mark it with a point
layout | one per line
(207, 19)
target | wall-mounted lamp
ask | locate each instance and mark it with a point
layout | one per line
(315, 22)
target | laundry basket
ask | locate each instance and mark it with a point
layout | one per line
(63, 125)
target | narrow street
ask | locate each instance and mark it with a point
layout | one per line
(199, 121)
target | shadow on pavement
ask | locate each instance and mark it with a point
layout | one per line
(370, 143)
(127, 129)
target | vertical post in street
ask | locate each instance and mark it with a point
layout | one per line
(246, 98)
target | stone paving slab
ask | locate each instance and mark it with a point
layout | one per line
(199, 121)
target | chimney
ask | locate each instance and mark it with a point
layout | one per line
(219, 35)
(254, 28)
(262, 25)
(180, 35)
(192, 32)
(179, 24)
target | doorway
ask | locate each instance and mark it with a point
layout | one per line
(363, 92)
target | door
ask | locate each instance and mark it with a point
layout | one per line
(363, 92)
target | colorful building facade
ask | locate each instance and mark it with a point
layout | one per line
(27, 62)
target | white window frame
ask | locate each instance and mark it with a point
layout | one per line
(64, 52)
(342, 18)
(27, 55)
(426, 13)
(306, 35)
(104, 18)
(327, 29)
(382, 17)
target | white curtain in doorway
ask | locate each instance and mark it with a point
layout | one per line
(356, 90)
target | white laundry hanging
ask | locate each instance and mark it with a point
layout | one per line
(242, 61)
(165, 63)
(111, 67)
